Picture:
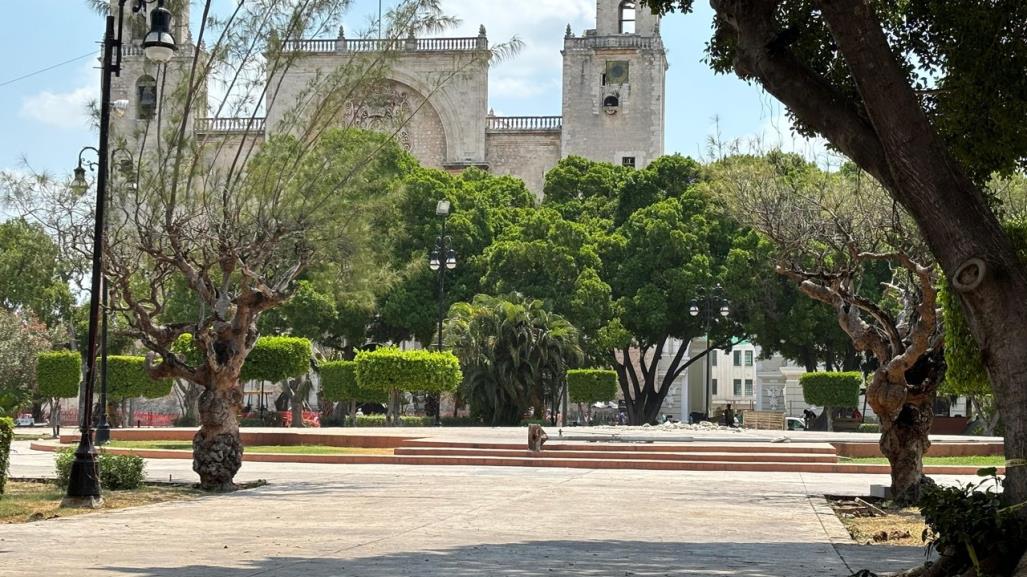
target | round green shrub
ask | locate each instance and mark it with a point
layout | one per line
(387, 369)
(592, 385)
(127, 379)
(276, 359)
(339, 383)
(117, 472)
(831, 389)
(58, 373)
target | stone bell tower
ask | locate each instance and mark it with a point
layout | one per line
(148, 86)
(614, 87)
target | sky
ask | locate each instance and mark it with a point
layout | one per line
(44, 120)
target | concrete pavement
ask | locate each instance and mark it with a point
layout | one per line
(378, 521)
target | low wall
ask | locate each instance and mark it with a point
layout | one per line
(857, 450)
(254, 438)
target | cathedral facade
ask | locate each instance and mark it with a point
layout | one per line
(435, 97)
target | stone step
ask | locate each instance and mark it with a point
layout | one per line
(712, 455)
(742, 447)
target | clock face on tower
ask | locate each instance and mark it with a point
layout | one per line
(616, 72)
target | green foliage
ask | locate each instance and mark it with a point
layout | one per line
(127, 379)
(592, 385)
(869, 428)
(974, 527)
(6, 436)
(21, 339)
(276, 359)
(117, 472)
(513, 353)
(58, 373)
(405, 421)
(964, 373)
(339, 383)
(388, 369)
(839, 390)
(30, 272)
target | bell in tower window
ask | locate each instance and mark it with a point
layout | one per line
(146, 98)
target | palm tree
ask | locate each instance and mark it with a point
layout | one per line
(514, 354)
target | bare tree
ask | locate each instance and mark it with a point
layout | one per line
(834, 233)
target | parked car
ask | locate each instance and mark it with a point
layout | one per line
(24, 421)
(795, 424)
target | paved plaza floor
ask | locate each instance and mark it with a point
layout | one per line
(385, 521)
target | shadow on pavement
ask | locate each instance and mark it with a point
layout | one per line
(567, 558)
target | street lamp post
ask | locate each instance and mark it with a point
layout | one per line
(159, 46)
(441, 259)
(711, 302)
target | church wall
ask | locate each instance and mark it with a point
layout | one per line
(525, 155)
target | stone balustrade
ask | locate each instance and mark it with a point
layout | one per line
(524, 123)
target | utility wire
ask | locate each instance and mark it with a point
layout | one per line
(47, 69)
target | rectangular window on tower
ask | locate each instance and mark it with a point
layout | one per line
(713, 357)
(737, 387)
(737, 358)
(713, 386)
(748, 387)
(748, 358)
(628, 161)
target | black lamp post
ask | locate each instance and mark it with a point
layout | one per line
(441, 259)
(159, 46)
(709, 304)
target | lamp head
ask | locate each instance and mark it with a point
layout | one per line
(693, 310)
(159, 44)
(442, 208)
(434, 263)
(451, 260)
(724, 311)
(119, 107)
(78, 183)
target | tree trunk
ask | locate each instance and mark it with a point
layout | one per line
(55, 417)
(217, 449)
(353, 412)
(904, 435)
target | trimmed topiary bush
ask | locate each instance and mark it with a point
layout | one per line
(117, 472)
(6, 436)
(388, 369)
(58, 373)
(339, 383)
(276, 359)
(831, 389)
(869, 428)
(127, 379)
(592, 385)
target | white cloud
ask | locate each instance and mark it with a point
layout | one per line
(60, 109)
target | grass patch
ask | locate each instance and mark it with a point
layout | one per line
(275, 449)
(968, 461)
(23, 502)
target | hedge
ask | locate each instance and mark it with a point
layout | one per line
(127, 379)
(273, 359)
(58, 373)
(117, 472)
(6, 436)
(389, 369)
(869, 428)
(592, 385)
(276, 359)
(339, 383)
(833, 389)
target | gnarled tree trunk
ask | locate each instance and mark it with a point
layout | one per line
(217, 448)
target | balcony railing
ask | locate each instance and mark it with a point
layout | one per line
(319, 46)
(619, 41)
(229, 125)
(524, 123)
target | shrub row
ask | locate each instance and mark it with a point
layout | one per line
(592, 385)
(869, 428)
(379, 421)
(6, 436)
(58, 373)
(339, 383)
(388, 369)
(831, 389)
(117, 472)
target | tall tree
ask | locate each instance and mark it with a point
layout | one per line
(929, 98)
(831, 231)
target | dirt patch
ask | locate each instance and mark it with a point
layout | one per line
(25, 502)
(875, 522)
